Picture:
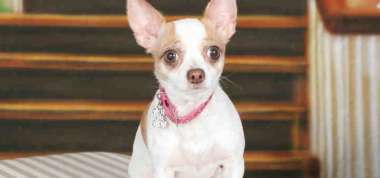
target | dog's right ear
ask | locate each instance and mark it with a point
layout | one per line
(223, 15)
(145, 22)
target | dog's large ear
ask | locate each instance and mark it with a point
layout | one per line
(145, 22)
(222, 14)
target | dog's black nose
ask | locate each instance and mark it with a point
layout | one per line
(196, 76)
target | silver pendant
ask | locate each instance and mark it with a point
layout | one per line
(159, 117)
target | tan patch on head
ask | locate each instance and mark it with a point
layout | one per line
(213, 38)
(166, 40)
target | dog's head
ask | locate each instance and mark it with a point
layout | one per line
(188, 53)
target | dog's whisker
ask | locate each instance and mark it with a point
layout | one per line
(227, 80)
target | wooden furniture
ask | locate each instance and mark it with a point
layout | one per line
(351, 16)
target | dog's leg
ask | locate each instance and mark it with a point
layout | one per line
(163, 172)
(233, 168)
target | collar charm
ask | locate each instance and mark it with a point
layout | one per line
(159, 118)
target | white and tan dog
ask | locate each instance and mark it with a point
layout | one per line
(191, 128)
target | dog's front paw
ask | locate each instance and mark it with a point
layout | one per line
(163, 172)
(233, 168)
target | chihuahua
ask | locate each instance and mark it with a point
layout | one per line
(191, 129)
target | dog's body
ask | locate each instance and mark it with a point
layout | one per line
(194, 150)
(189, 59)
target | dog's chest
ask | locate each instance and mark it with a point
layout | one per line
(197, 153)
(202, 145)
(197, 143)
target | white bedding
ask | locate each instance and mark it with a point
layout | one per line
(75, 165)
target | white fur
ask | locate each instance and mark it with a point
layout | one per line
(211, 145)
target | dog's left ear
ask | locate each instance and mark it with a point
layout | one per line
(145, 22)
(222, 14)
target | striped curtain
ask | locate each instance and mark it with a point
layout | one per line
(345, 101)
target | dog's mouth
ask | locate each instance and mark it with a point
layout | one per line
(197, 86)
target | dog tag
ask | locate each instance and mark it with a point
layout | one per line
(159, 118)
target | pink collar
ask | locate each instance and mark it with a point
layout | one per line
(171, 111)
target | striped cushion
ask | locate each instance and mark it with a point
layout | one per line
(75, 165)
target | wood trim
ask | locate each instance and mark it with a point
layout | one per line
(271, 161)
(279, 64)
(117, 110)
(74, 62)
(255, 161)
(296, 135)
(300, 90)
(272, 22)
(269, 111)
(337, 8)
(70, 110)
(120, 21)
(338, 17)
(25, 154)
(52, 61)
(300, 99)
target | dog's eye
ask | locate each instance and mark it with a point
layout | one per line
(213, 52)
(170, 56)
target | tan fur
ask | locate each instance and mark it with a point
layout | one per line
(214, 39)
(168, 40)
(213, 34)
(165, 41)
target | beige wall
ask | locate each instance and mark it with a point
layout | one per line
(345, 101)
